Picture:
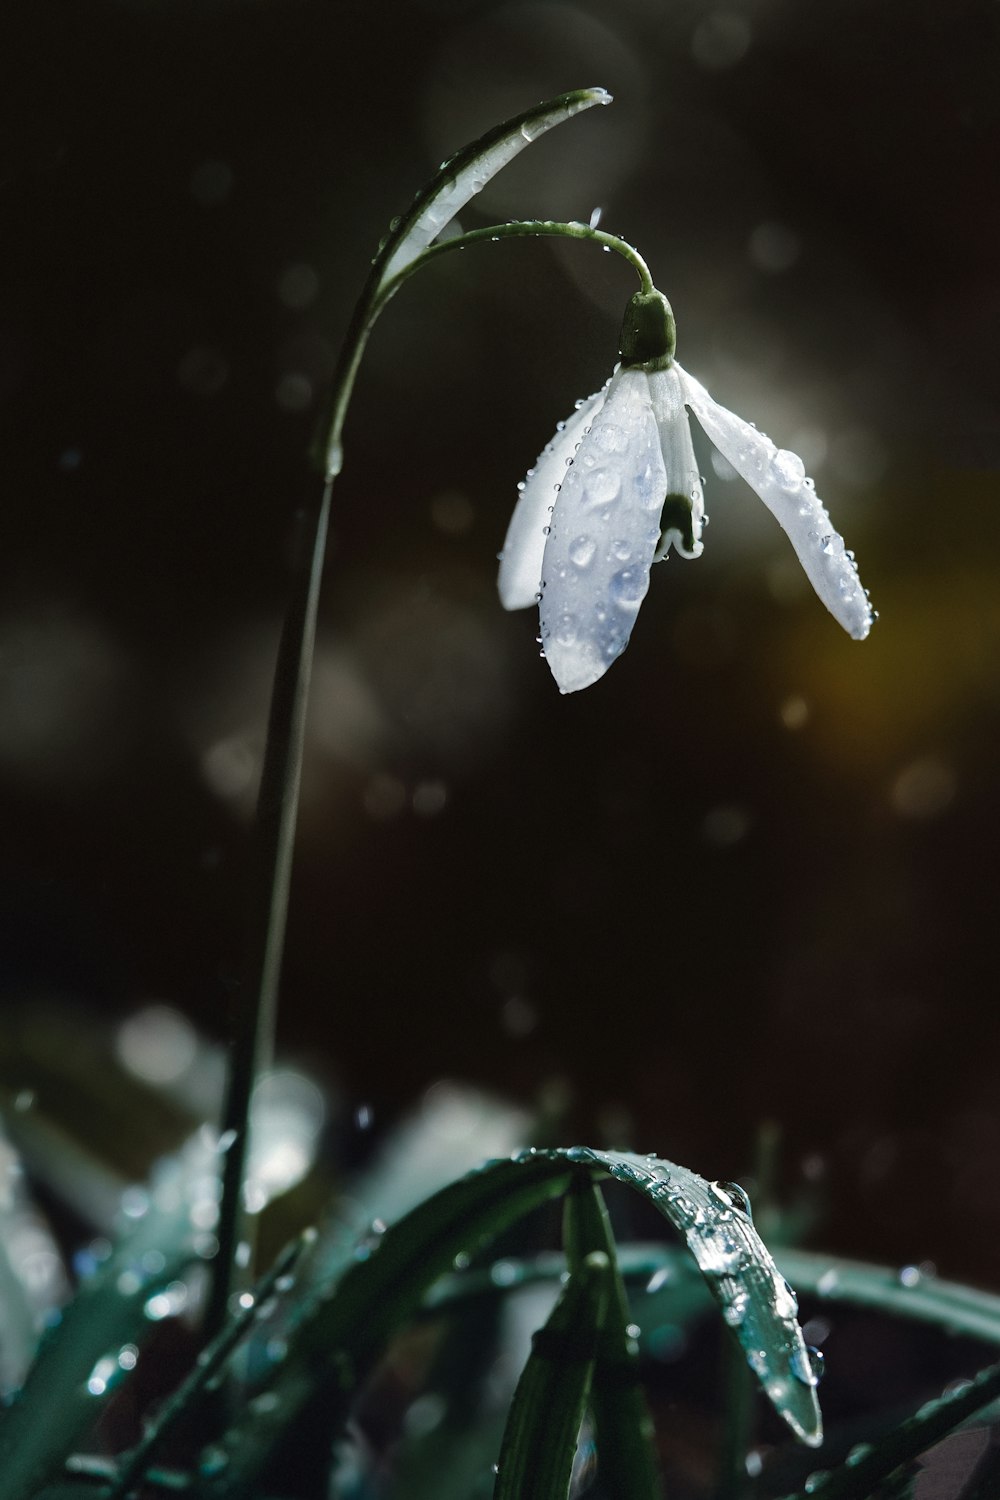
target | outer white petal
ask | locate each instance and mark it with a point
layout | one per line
(520, 574)
(683, 479)
(605, 528)
(778, 477)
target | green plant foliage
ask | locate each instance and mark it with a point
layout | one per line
(906, 1294)
(621, 1414)
(101, 1333)
(757, 1304)
(342, 1330)
(871, 1465)
(540, 1440)
(210, 1362)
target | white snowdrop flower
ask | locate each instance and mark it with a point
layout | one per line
(618, 486)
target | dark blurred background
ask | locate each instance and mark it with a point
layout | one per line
(751, 875)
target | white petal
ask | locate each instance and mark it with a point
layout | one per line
(605, 528)
(683, 479)
(779, 479)
(520, 574)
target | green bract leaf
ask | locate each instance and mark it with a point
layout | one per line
(100, 1335)
(539, 1444)
(467, 173)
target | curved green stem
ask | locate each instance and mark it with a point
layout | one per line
(377, 294)
(530, 229)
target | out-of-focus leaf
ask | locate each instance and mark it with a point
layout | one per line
(984, 1481)
(33, 1284)
(101, 1334)
(906, 1294)
(540, 1440)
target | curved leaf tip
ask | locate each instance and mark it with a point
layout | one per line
(467, 173)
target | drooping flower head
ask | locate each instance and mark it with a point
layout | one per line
(618, 486)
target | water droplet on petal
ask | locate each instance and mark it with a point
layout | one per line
(628, 588)
(566, 630)
(602, 486)
(789, 468)
(610, 439)
(581, 551)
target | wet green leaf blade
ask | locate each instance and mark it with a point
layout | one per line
(873, 1464)
(927, 1299)
(343, 1330)
(77, 1365)
(540, 1440)
(757, 1305)
(625, 1439)
(467, 173)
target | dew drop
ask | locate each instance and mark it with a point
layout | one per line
(789, 468)
(610, 438)
(565, 630)
(828, 1283)
(602, 486)
(581, 551)
(628, 588)
(802, 1366)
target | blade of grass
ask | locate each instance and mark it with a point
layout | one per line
(338, 1336)
(210, 1362)
(79, 1361)
(870, 1465)
(540, 1439)
(954, 1308)
(626, 1451)
(758, 1306)
(343, 1329)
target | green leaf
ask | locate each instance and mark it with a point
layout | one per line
(540, 1440)
(343, 1329)
(90, 1351)
(625, 1437)
(926, 1299)
(211, 1360)
(871, 1464)
(758, 1306)
(467, 173)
